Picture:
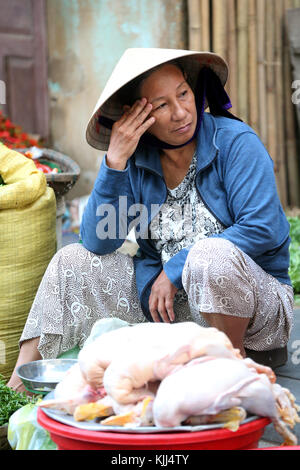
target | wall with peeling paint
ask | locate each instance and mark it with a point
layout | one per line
(85, 39)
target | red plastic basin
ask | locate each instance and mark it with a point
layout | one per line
(71, 438)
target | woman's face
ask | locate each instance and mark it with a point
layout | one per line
(173, 104)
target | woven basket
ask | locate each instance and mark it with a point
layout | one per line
(4, 444)
(60, 182)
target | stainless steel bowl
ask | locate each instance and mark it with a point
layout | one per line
(43, 376)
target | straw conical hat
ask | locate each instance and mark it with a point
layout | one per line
(134, 62)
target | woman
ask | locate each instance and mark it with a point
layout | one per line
(200, 191)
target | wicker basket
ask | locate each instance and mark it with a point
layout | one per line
(60, 182)
(4, 444)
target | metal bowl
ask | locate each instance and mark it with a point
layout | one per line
(43, 376)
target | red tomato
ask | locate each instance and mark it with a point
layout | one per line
(43, 168)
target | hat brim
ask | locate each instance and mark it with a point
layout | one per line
(133, 63)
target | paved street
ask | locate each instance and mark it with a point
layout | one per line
(289, 376)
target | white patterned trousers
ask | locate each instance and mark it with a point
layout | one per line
(80, 287)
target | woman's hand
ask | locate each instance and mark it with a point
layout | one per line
(161, 299)
(126, 133)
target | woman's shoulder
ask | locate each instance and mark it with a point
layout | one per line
(228, 131)
(232, 137)
(233, 126)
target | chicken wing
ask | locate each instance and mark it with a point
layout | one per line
(73, 390)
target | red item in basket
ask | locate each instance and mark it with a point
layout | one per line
(43, 168)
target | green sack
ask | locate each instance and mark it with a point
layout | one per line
(27, 244)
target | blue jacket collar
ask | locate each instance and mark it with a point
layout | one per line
(148, 157)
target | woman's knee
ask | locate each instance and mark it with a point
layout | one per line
(216, 278)
(71, 249)
(74, 254)
(211, 246)
(214, 261)
(210, 254)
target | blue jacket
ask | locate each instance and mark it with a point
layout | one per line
(235, 179)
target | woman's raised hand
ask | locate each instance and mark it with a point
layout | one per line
(126, 133)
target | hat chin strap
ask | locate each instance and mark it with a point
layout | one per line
(208, 86)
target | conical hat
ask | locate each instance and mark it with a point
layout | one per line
(134, 62)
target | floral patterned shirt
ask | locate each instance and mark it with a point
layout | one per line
(183, 219)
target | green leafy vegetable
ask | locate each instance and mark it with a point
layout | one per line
(11, 401)
(1, 181)
(294, 270)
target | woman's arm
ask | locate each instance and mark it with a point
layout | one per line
(105, 220)
(259, 223)
(104, 225)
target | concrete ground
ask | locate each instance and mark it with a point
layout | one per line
(287, 375)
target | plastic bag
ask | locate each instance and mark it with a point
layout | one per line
(71, 354)
(24, 432)
(103, 326)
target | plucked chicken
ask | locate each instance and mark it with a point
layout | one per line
(125, 360)
(72, 391)
(171, 374)
(209, 385)
(116, 414)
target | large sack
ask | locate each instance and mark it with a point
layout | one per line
(27, 244)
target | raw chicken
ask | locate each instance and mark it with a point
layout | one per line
(133, 415)
(125, 360)
(141, 414)
(169, 374)
(209, 385)
(72, 391)
(96, 356)
(162, 350)
(133, 357)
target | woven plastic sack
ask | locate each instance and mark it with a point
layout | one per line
(27, 244)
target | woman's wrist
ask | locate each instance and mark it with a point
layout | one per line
(115, 164)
